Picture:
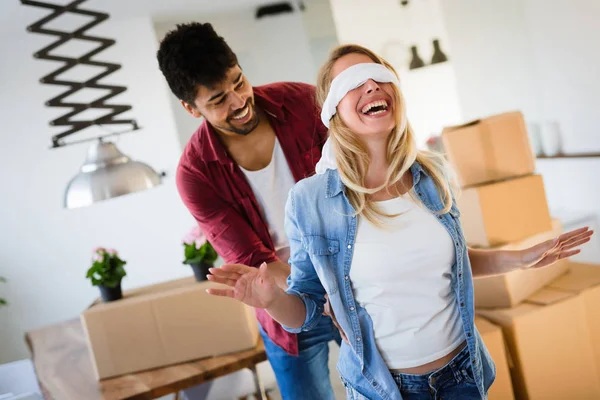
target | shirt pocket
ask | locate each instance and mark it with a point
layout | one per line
(323, 253)
(320, 245)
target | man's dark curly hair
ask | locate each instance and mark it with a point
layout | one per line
(191, 55)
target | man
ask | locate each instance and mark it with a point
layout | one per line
(235, 174)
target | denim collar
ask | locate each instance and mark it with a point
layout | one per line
(335, 185)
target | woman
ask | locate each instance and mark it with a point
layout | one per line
(377, 231)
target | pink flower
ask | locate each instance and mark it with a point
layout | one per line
(112, 252)
(98, 257)
(99, 250)
(195, 236)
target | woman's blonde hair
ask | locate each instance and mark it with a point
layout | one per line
(351, 155)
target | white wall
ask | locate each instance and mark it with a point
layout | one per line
(533, 55)
(320, 29)
(44, 249)
(389, 29)
(539, 57)
(492, 57)
(565, 39)
(270, 49)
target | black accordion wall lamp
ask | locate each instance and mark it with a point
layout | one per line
(106, 172)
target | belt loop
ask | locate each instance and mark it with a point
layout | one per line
(457, 373)
(456, 364)
(398, 379)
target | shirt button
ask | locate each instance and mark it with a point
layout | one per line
(439, 216)
(351, 308)
(358, 339)
(456, 243)
(420, 194)
(469, 334)
(349, 246)
(460, 275)
(346, 277)
(462, 304)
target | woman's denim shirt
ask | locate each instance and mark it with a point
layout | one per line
(321, 230)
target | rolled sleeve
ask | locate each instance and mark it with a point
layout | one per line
(303, 280)
(313, 312)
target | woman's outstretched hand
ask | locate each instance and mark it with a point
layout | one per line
(252, 286)
(550, 251)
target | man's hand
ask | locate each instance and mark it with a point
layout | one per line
(328, 311)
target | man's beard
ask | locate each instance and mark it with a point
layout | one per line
(248, 126)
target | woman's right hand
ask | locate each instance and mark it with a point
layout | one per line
(252, 286)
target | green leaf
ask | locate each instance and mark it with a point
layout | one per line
(206, 253)
(190, 251)
(211, 255)
(119, 272)
(3, 302)
(202, 252)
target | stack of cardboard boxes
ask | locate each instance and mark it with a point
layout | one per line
(550, 321)
(553, 338)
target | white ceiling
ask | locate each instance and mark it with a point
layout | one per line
(15, 16)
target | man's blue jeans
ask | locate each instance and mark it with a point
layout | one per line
(305, 376)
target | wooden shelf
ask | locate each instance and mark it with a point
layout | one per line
(580, 155)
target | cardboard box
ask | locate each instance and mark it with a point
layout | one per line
(508, 290)
(550, 347)
(491, 334)
(584, 280)
(489, 149)
(504, 212)
(165, 324)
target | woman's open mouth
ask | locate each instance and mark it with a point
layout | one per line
(376, 108)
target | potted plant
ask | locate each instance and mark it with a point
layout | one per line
(199, 253)
(3, 302)
(107, 272)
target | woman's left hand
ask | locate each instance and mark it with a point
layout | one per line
(550, 251)
(328, 311)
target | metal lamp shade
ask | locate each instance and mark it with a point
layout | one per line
(108, 173)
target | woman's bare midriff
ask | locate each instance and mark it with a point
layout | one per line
(432, 366)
